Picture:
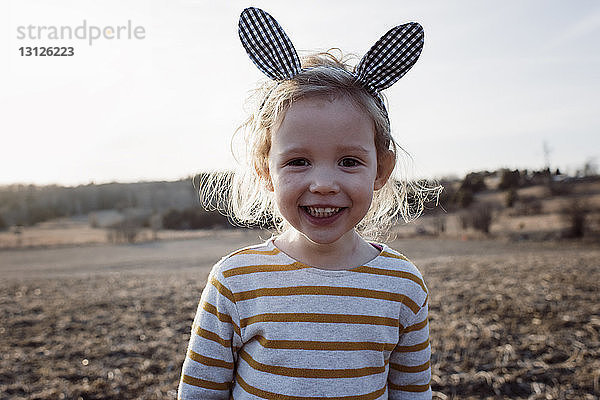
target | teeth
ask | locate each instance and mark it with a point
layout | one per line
(322, 212)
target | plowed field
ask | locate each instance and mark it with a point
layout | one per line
(508, 320)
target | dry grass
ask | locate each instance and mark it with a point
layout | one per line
(519, 324)
(77, 231)
(508, 320)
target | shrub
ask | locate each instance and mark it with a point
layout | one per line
(481, 217)
(463, 197)
(194, 218)
(474, 182)
(471, 184)
(126, 230)
(509, 179)
(465, 219)
(528, 205)
(439, 224)
(575, 216)
(511, 197)
(559, 188)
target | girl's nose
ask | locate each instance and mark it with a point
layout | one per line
(324, 183)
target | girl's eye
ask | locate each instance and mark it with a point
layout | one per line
(299, 162)
(349, 162)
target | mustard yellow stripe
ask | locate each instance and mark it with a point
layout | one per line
(410, 388)
(310, 372)
(211, 362)
(416, 347)
(221, 316)
(211, 336)
(409, 369)
(270, 395)
(320, 318)
(222, 289)
(416, 327)
(251, 269)
(190, 380)
(392, 255)
(316, 345)
(389, 272)
(328, 291)
(259, 252)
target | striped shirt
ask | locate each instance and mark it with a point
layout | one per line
(270, 327)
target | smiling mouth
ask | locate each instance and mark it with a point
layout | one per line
(322, 212)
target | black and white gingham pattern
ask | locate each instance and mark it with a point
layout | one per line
(267, 45)
(273, 53)
(391, 57)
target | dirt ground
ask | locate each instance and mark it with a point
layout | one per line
(515, 320)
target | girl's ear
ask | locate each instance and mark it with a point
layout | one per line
(385, 165)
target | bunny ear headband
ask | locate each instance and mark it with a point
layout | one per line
(271, 50)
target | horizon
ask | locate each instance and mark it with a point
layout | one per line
(484, 95)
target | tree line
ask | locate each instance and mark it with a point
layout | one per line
(27, 205)
(176, 204)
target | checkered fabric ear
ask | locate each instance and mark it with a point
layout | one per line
(391, 57)
(267, 45)
(273, 53)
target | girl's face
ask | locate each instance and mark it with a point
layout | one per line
(323, 167)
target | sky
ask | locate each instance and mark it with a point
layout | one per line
(496, 84)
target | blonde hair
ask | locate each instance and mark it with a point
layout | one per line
(244, 196)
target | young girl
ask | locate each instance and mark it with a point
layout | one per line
(316, 312)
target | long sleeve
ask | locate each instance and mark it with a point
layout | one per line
(208, 368)
(410, 371)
